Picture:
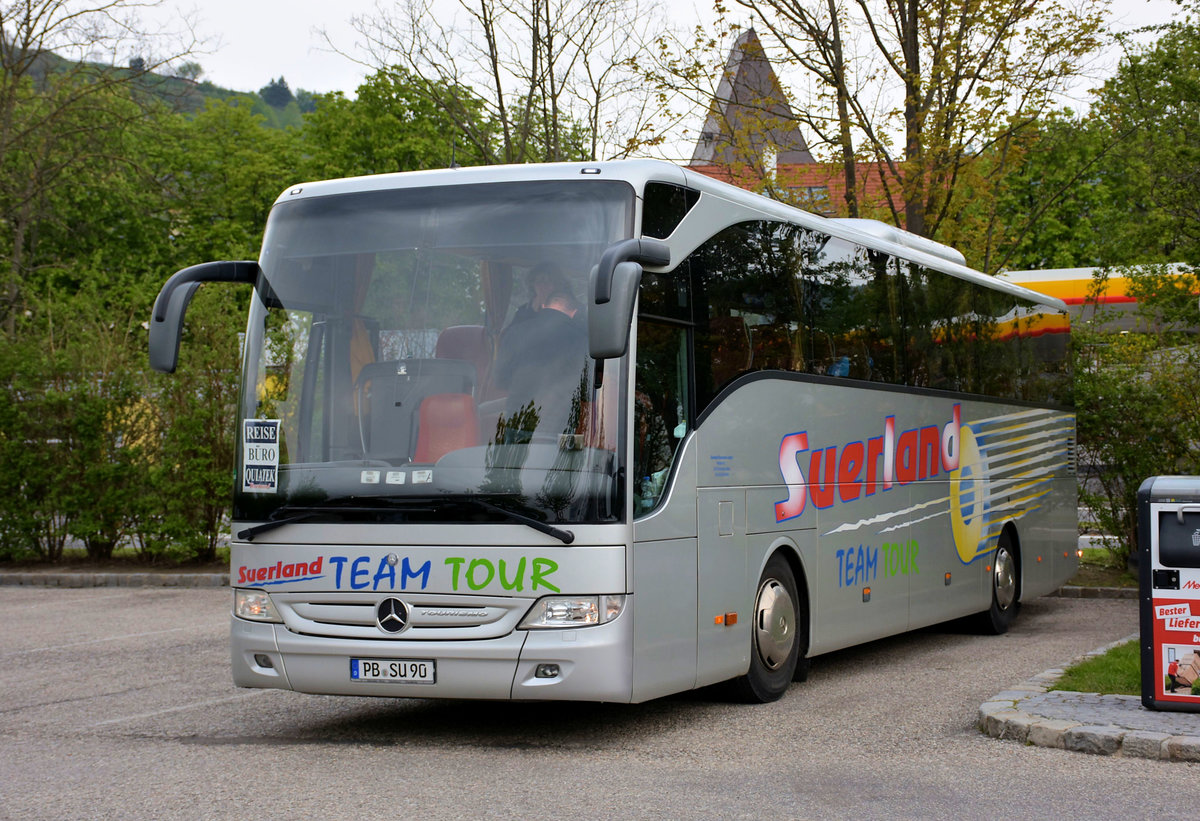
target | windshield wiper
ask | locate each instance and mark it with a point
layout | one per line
(249, 533)
(339, 505)
(564, 536)
(336, 505)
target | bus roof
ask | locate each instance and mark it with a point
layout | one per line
(873, 233)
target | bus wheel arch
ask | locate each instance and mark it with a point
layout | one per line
(803, 609)
(778, 632)
(1005, 583)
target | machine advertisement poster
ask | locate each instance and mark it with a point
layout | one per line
(1169, 575)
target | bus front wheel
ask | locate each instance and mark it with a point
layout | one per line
(1005, 588)
(777, 634)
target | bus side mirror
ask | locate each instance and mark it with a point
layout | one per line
(166, 321)
(608, 322)
(612, 289)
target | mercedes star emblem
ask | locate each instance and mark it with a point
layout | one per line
(392, 615)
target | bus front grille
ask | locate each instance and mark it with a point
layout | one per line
(430, 617)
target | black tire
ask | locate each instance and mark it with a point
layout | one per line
(1006, 589)
(778, 635)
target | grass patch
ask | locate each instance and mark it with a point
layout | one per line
(1096, 570)
(1119, 671)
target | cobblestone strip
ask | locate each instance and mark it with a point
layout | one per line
(1089, 722)
(1072, 592)
(43, 579)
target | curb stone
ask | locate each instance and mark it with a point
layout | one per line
(45, 579)
(1073, 592)
(1010, 715)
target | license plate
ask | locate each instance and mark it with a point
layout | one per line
(408, 671)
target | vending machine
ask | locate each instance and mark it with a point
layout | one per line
(1169, 581)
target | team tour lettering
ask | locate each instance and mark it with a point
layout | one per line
(384, 573)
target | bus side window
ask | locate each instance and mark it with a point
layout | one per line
(748, 277)
(664, 207)
(659, 408)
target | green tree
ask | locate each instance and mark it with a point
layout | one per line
(1138, 399)
(55, 117)
(391, 125)
(70, 360)
(1117, 186)
(921, 91)
(223, 170)
(1059, 206)
(530, 80)
(276, 93)
(1152, 110)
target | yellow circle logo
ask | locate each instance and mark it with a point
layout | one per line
(968, 498)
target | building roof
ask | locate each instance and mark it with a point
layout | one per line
(750, 117)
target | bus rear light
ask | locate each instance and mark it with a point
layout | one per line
(254, 605)
(572, 611)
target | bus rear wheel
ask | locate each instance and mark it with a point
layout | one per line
(1005, 589)
(777, 631)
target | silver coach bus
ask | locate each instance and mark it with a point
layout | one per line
(611, 431)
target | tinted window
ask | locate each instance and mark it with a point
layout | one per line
(747, 278)
(664, 208)
(773, 296)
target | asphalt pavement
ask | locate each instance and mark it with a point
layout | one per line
(1028, 712)
(117, 703)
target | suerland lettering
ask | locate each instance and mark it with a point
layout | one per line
(294, 571)
(848, 472)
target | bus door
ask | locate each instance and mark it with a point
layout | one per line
(663, 479)
(721, 644)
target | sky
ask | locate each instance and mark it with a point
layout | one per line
(252, 42)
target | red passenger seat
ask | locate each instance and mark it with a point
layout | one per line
(470, 343)
(447, 421)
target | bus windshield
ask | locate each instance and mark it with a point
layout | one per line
(420, 355)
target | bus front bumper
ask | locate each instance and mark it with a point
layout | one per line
(580, 664)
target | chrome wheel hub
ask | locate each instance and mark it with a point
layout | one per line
(774, 624)
(1004, 579)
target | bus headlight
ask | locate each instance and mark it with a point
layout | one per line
(254, 605)
(572, 611)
